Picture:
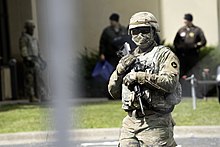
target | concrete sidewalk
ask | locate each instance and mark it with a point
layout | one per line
(85, 135)
(73, 101)
(179, 132)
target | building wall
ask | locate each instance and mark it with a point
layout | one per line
(34, 16)
(95, 16)
(170, 14)
(205, 15)
(218, 15)
(18, 12)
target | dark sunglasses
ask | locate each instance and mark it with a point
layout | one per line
(143, 30)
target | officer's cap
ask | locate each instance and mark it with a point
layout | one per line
(114, 17)
(188, 17)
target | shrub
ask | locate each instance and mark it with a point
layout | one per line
(90, 86)
(96, 87)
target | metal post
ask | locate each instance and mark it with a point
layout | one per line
(218, 82)
(193, 91)
(192, 81)
(14, 84)
(59, 37)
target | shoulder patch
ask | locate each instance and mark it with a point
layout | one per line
(174, 64)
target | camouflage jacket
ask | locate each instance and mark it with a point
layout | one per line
(30, 53)
(160, 82)
(28, 46)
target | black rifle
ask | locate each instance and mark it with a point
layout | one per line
(137, 89)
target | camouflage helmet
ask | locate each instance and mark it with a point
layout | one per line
(142, 19)
(29, 23)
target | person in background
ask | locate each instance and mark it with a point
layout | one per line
(188, 41)
(112, 40)
(34, 86)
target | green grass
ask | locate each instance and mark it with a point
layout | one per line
(110, 114)
(26, 118)
(22, 118)
(99, 115)
(206, 113)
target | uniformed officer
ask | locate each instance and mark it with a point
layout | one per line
(188, 41)
(33, 64)
(148, 121)
(110, 40)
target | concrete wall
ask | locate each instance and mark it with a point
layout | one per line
(205, 15)
(34, 16)
(18, 12)
(170, 14)
(218, 15)
(95, 16)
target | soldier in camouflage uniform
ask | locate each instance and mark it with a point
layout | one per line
(158, 79)
(33, 64)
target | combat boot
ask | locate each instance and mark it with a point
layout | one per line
(33, 99)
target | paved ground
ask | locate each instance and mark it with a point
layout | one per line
(182, 142)
(108, 134)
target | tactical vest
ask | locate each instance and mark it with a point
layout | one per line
(152, 99)
(32, 45)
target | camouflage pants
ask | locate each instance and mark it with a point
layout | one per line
(29, 82)
(154, 130)
(34, 85)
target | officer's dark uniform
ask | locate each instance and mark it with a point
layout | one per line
(110, 43)
(188, 42)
